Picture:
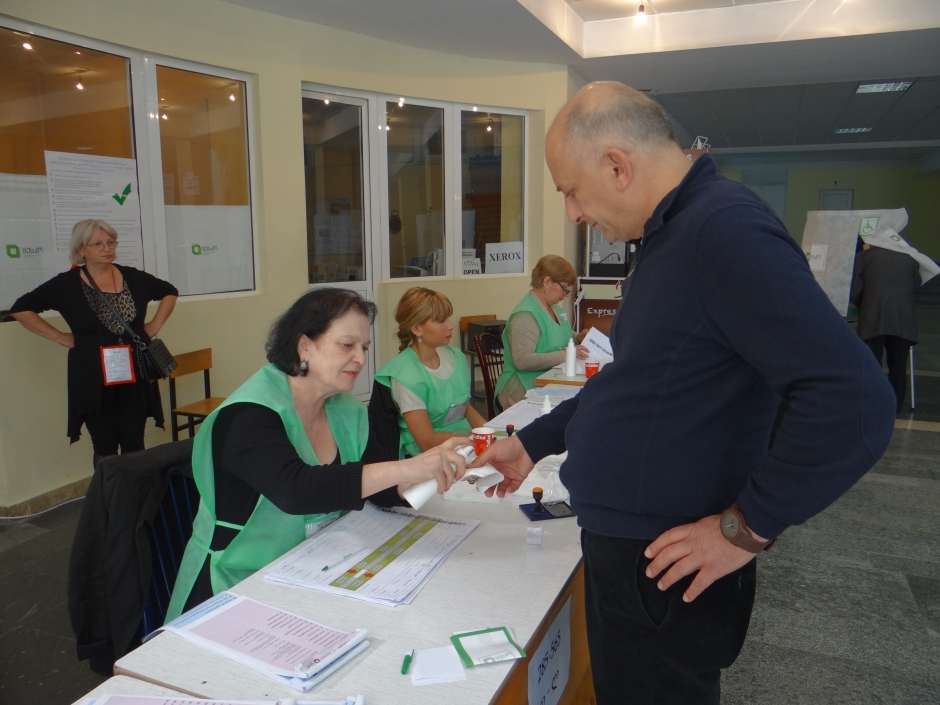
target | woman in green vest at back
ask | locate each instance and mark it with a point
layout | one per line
(284, 455)
(429, 378)
(538, 330)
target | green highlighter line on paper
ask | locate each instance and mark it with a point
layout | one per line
(407, 662)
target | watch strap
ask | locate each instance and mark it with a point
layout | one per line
(745, 540)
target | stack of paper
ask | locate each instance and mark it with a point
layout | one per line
(378, 555)
(165, 700)
(297, 652)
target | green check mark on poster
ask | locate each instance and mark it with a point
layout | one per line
(120, 198)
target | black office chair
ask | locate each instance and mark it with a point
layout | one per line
(128, 546)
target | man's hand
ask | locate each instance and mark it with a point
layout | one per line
(510, 458)
(695, 547)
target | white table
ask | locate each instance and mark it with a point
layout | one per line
(556, 376)
(122, 685)
(493, 578)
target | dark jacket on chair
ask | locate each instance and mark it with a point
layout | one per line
(384, 435)
(110, 564)
(883, 288)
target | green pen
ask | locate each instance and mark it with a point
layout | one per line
(407, 662)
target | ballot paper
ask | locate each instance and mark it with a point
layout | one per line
(401, 552)
(524, 412)
(442, 665)
(172, 700)
(599, 348)
(294, 651)
(484, 646)
(557, 392)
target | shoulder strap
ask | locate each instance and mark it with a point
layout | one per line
(94, 285)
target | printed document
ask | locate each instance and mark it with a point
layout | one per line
(291, 649)
(396, 553)
(170, 700)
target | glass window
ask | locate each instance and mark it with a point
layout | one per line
(68, 107)
(492, 177)
(204, 150)
(415, 189)
(333, 181)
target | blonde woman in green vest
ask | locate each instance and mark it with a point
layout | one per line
(284, 454)
(538, 330)
(429, 379)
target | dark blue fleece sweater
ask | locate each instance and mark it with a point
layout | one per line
(720, 320)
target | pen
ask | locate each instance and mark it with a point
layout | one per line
(407, 662)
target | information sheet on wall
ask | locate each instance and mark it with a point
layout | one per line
(83, 186)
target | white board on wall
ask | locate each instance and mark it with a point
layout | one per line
(209, 248)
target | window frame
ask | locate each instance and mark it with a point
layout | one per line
(458, 193)
(142, 76)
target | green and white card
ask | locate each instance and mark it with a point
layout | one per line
(486, 646)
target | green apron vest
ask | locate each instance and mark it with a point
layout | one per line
(554, 337)
(269, 532)
(442, 397)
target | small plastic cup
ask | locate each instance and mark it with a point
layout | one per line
(591, 368)
(482, 438)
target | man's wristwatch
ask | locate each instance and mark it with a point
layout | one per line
(734, 528)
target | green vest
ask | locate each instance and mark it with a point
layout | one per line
(554, 337)
(269, 532)
(446, 399)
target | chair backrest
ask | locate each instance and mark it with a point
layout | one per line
(384, 433)
(465, 321)
(490, 351)
(195, 361)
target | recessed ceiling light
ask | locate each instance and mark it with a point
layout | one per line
(474, 108)
(80, 53)
(28, 46)
(326, 101)
(387, 127)
(231, 96)
(884, 87)
(164, 116)
(852, 130)
(79, 86)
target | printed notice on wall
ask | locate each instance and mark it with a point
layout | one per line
(503, 257)
(83, 186)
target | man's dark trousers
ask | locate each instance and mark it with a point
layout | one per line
(898, 350)
(648, 647)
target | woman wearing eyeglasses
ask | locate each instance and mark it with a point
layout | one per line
(537, 331)
(114, 414)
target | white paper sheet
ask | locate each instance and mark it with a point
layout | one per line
(83, 186)
(171, 700)
(284, 646)
(599, 348)
(555, 391)
(441, 665)
(524, 412)
(402, 552)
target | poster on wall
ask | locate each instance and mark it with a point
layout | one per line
(26, 236)
(209, 248)
(83, 186)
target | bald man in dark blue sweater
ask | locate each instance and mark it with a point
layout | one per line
(676, 468)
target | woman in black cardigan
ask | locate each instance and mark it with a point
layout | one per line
(114, 415)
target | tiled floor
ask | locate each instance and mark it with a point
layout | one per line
(848, 605)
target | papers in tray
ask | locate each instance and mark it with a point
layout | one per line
(395, 554)
(294, 651)
(172, 700)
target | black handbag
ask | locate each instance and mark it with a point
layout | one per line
(154, 361)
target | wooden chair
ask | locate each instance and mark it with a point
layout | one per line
(490, 352)
(196, 361)
(467, 345)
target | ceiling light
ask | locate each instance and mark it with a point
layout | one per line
(852, 130)
(474, 108)
(80, 53)
(163, 116)
(401, 102)
(27, 45)
(387, 128)
(640, 17)
(884, 87)
(326, 101)
(79, 85)
(489, 128)
(231, 96)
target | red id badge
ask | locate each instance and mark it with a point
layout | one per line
(117, 365)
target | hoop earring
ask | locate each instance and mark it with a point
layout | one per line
(304, 367)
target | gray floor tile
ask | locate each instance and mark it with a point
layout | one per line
(26, 595)
(765, 674)
(19, 533)
(906, 566)
(926, 592)
(36, 667)
(54, 621)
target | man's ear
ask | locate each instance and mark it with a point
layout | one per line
(619, 166)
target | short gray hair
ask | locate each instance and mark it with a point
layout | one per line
(82, 233)
(627, 120)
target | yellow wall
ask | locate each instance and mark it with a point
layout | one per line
(35, 456)
(875, 187)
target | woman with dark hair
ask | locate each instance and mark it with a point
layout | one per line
(283, 455)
